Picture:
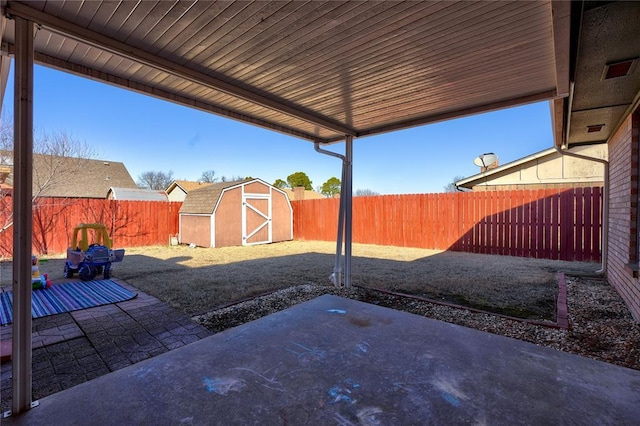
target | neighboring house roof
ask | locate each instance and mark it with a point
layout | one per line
(186, 185)
(136, 194)
(544, 167)
(72, 177)
(203, 200)
(308, 195)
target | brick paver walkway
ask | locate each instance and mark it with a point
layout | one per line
(74, 347)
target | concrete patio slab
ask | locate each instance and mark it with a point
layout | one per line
(338, 361)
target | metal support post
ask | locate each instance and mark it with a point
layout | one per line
(22, 214)
(348, 196)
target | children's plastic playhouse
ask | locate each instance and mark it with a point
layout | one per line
(91, 252)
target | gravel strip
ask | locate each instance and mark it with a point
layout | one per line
(600, 325)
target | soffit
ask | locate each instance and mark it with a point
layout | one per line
(317, 70)
(609, 33)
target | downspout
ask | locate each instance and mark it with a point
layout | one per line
(605, 191)
(336, 276)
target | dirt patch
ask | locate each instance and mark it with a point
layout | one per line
(198, 280)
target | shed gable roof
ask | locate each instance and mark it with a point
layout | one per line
(204, 200)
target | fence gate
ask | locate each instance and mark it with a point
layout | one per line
(256, 219)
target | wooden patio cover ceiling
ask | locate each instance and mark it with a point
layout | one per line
(317, 70)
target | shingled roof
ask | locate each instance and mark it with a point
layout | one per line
(187, 185)
(204, 200)
(73, 177)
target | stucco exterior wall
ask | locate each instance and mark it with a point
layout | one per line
(550, 171)
(531, 186)
(622, 259)
(177, 194)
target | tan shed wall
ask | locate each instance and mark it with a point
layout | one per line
(282, 229)
(196, 230)
(228, 219)
(256, 188)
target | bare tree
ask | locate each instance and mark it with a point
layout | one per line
(451, 187)
(6, 165)
(231, 178)
(155, 180)
(365, 193)
(57, 158)
(208, 176)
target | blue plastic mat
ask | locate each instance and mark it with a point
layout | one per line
(66, 297)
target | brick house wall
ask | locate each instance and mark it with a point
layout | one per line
(622, 259)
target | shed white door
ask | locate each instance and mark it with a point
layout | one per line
(256, 219)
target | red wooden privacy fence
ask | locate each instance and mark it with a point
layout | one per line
(549, 224)
(131, 223)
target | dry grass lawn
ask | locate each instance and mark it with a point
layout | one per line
(199, 280)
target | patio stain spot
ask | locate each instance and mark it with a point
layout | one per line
(223, 385)
(337, 311)
(360, 322)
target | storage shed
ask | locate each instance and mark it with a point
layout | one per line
(236, 213)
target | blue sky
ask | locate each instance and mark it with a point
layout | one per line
(146, 134)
